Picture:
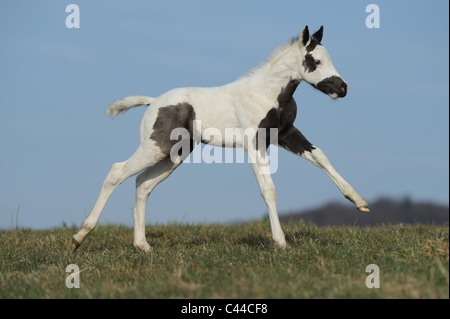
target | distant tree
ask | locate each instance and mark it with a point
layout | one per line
(383, 211)
(407, 202)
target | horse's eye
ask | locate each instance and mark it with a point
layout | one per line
(317, 62)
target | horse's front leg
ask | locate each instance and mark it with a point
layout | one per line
(261, 169)
(294, 141)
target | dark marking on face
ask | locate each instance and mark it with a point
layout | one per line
(169, 118)
(333, 84)
(312, 45)
(294, 141)
(309, 63)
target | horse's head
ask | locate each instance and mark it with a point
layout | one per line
(316, 67)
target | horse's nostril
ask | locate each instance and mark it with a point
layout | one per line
(343, 90)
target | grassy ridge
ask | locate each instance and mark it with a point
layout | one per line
(235, 261)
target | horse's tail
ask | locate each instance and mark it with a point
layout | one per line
(126, 103)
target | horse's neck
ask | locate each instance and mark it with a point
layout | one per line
(277, 72)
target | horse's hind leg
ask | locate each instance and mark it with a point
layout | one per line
(145, 183)
(117, 174)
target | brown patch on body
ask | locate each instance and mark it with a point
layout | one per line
(169, 118)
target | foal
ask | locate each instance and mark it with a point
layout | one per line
(262, 99)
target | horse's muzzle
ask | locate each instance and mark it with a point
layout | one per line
(334, 86)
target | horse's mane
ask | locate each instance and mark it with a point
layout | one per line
(271, 59)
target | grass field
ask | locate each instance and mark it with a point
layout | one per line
(233, 261)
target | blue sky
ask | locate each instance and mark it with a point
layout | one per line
(388, 137)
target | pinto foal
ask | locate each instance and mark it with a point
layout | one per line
(262, 99)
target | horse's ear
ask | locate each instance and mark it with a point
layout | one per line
(318, 35)
(304, 37)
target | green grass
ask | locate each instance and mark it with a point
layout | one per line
(233, 261)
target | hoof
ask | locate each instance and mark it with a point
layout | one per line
(281, 243)
(364, 209)
(75, 244)
(145, 247)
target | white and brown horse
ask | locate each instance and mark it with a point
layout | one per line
(260, 100)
